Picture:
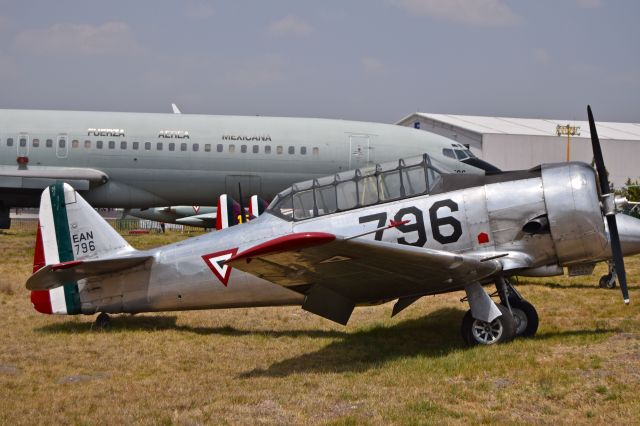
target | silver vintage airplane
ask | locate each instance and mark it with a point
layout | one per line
(396, 231)
(135, 160)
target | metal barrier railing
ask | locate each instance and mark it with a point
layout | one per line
(121, 225)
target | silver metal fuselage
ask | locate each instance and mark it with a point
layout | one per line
(490, 217)
(201, 157)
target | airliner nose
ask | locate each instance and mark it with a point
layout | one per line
(629, 230)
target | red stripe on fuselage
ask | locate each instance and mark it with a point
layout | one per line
(289, 242)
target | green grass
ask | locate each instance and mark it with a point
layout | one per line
(286, 366)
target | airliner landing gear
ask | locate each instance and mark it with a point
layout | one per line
(103, 321)
(609, 280)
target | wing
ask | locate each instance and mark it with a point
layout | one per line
(55, 275)
(39, 177)
(337, 273)
(204, 220)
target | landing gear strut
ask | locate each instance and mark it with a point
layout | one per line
(515, 317)
(609, 280)
(103, 321)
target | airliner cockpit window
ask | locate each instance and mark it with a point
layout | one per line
(358, 188)
(448, 152)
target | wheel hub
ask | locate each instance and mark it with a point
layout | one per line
(487, 333)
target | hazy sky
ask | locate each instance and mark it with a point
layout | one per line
(375, 60)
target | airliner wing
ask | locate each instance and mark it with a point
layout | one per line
(36, 177)
(337, 273)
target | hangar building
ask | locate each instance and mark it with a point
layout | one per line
(522, 143)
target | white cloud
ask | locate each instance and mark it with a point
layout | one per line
(490, 13)
(199, 10)
(589, 4)
(372, 65)
(540, 55)
(111, 38)
(290, 26)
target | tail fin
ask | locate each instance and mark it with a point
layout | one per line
(228, 212)
(257, 206)
(69, 229)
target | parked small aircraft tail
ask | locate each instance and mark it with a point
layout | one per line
(257, 206)
(70, 232)
(228, 212)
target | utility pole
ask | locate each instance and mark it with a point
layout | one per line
(568, 130)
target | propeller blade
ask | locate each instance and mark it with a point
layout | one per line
(597, 154)
(618, 259)
(616, 248)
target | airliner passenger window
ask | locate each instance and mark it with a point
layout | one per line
(267, 149)
(123, 145)
(316, 151)
(35, 143)
(9, 141)
(75, 143)
(243, 149)
(172, 146)
(49, 143)
(256, 149)
(292, 150)
(62, 143)
(159, 146)
(98, 144)
(112, 144)
(23, 142)
(303, 150)
(147, 146)
(232, 148)
(135, 145)
(183, 146)
(195, 147)
(207, 147)
(87, 144)
(279, 149)
(219, 147)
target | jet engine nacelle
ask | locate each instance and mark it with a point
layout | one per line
(575, 217)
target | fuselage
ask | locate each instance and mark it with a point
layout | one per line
(135, 160)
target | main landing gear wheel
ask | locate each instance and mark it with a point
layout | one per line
(525, 317)
(103, 321)
(607, 282)
(500, 330)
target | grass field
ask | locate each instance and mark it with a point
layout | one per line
(286, 366)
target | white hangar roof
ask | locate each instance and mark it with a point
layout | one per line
(528, 126)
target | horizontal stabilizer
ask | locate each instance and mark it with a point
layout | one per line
(57, 274)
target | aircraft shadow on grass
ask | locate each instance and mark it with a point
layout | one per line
(432, 335)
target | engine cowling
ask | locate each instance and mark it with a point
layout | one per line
(574, 213)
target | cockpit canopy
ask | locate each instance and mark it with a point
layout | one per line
(358, 188)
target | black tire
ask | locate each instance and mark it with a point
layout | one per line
(103, 321)
(525, 317)
(500, 330)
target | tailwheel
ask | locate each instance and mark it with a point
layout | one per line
(525, 317)
(103, 321)
(500, 330)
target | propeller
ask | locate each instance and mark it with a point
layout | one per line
(609, 209)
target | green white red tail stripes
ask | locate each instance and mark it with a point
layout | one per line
(53, 245)
(228, 212)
